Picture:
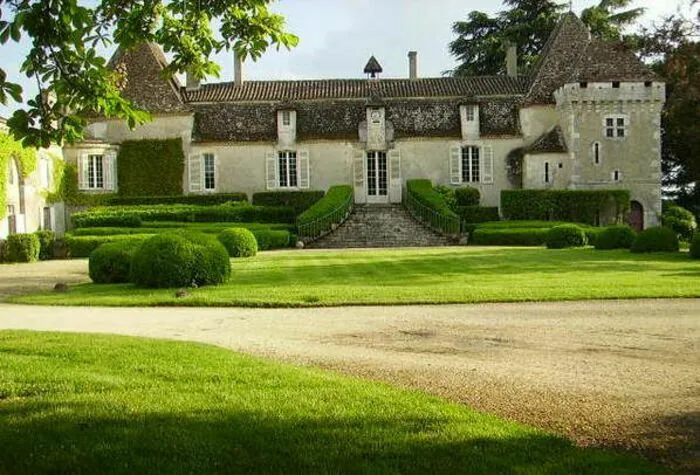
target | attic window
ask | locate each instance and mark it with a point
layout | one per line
(616, 85)
(376, 116)
(471, 113)
(286, 118)
(584, 85)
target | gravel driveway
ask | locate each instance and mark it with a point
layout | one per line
(624, 374)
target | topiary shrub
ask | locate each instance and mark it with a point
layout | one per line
(46, 243)
(467, 196)
(111, 263)
(478, 214)
(659, 239)
(239, 242)
(269, 239)
(680, 220)
(23, 248)
(180, 260)
(695, 247)
(565, 236)
(615, 237)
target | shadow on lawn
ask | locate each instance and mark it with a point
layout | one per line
(70, 439)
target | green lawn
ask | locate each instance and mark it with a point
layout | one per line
(438, 275)
(105, 404)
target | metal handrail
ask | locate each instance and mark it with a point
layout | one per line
(430, 217)
(319, 227)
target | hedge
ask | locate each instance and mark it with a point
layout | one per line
(150, 167)
(695, 247)
(23, 248)
(207, 199)
(338, 199)
(300, 201)
(268, 239)
(566, 236)
(680, 220)
(477, 214)
(239, 242)
(156, 228)
(580, 206)
(656, 240)
(509, 237)
(615, 237)
(82, 246)
(98, 220)
(467, 196)
(423, 192)
(3, 250)
(110, 263)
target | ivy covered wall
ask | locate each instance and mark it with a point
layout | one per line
(26, 159)
(150, 168)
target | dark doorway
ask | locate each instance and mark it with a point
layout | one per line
(635, 218)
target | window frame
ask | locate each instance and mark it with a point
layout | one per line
(470, 113)
(615, 131)
(214, 175)
(471, 160)
(287, 157)
(286, 118)
(92, 174)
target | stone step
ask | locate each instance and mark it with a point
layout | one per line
(381, 226)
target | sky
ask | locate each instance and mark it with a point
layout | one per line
(337, 37)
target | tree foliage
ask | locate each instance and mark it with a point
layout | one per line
(480, 44)
(73, 78)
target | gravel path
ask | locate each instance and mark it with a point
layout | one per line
(624, 374)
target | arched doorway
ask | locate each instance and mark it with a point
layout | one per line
(635, 218)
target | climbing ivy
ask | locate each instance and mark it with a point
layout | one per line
(26, 159)
(67, 191)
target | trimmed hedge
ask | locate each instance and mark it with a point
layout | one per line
(680, 220)
(23, 248)
(239, 242)
(206, 199)
(695, 247)
(150, 167)
(336, 196)
(509, 237)
(300, 201)
(467, 196)
(566, 236)
(3, 250)
(578, 206)
(659, 239)
(615, 237)
(425, 194)
(88, 219)
(82, 246)
(110, 263)
(179, 260)
(478, 214)
(268, 239)
(47, 240)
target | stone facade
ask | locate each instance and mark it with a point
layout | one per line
(375, 134)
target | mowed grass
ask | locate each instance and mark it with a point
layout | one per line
(417, 276)
(103, 404)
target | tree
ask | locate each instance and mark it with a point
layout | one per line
(480, 43)
(74, 79)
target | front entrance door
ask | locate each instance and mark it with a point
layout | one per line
(377, 178)
(636, 216)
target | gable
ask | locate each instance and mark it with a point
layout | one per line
(143, 82)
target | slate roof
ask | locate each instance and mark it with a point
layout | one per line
(550, 142)
(604, 61)
(329, 89)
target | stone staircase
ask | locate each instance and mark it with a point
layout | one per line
(380, 226)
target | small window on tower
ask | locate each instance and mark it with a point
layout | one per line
(648, 84)
(616, 85)
(583, 85)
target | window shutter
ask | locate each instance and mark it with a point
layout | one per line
(195, 173)
(455, 165)
(395, 189)
(303, 167)
(487, 164)
(359, 175)
(83, 171)
(271, 170)
(109, 162)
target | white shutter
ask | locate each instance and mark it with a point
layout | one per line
(455, 165)
(109, 165)
(271, 170)
(303, 167)
(487, 164)
(195, 173)
(395, 189)
(83, 171)
(359, 176)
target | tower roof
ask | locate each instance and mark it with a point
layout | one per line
(373, 67)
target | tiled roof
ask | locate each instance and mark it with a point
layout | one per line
(551, 142)
(604, 61)
(330, 89)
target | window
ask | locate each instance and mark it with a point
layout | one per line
(287, 170)
(596, 153)
(95, 176)
(616, 127)
(46, 218)
(616, 84)
(617, 176)
(209, 172)
(546, 172)
(471, 113)
(376, 116)
(286, 118)
(470, 164)
(583, 85)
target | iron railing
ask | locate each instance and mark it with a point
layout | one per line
(440, 222)
(313, 230)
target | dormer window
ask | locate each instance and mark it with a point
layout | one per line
(469, 117)
(376, 116)
(471, 113)
(286, 118)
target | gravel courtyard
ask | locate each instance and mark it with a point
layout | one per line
(624, 374)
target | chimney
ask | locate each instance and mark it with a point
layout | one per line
(192, 83)
(512, 59)
(237, 69)
(413, 64)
